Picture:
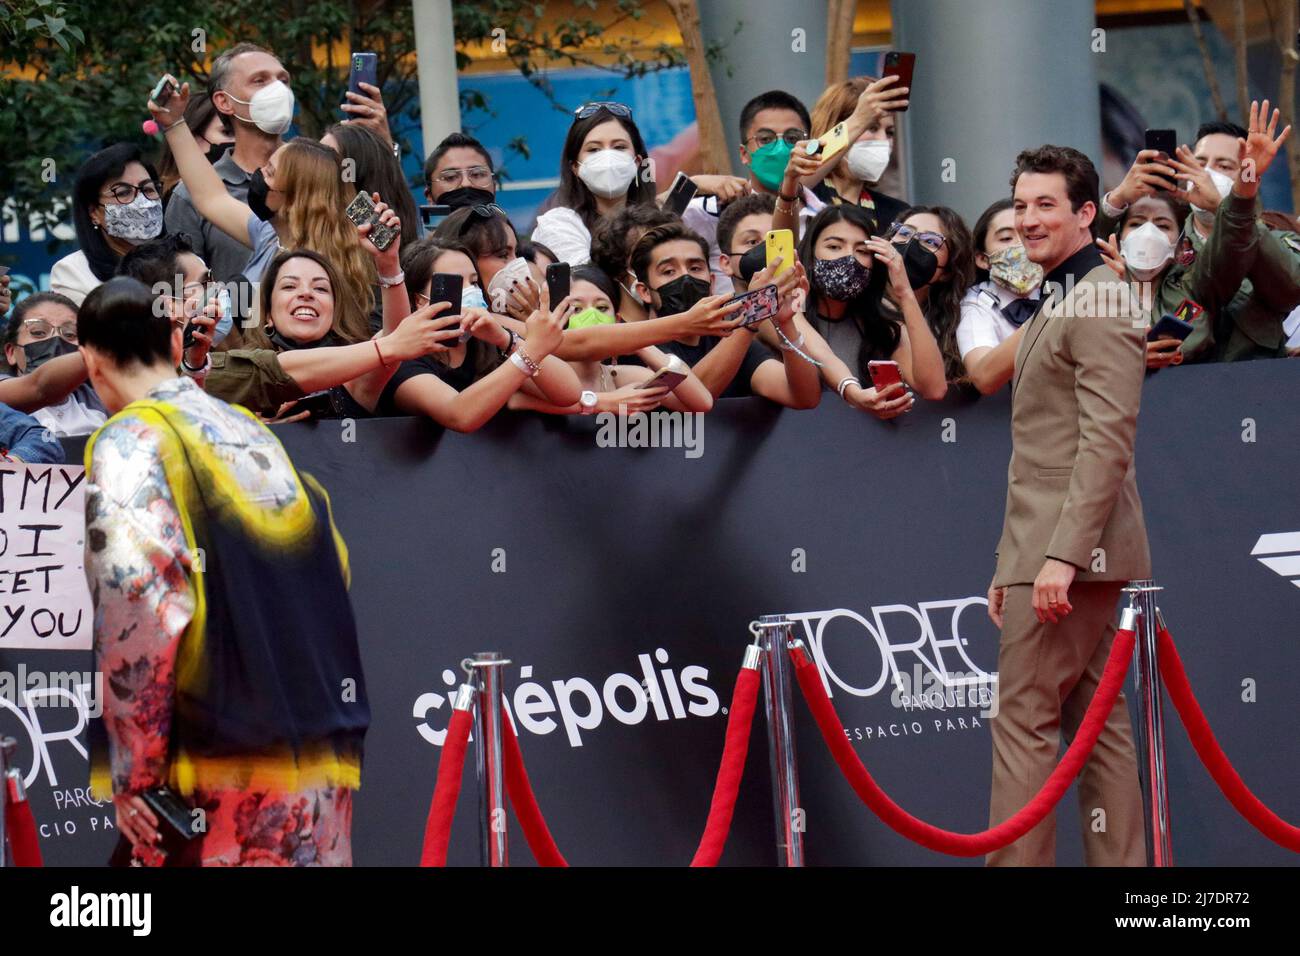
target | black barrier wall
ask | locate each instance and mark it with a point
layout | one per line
(620, 582)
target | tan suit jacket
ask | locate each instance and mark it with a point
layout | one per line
(1071, 484)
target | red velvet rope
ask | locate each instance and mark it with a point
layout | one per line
(451, 765)
(1011, 829)
(529, 814)
(1207, 748)
(21, 826)
(726, 788)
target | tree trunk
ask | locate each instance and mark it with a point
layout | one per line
(1286, 96)
(713, 143)
(1194, 16)
(839, 39)
(1239, 51)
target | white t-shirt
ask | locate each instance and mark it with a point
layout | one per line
(982, 323)
(563, 232)
(70, 417)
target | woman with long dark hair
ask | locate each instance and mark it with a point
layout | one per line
(116, 205)
(465, 385)
(603, 167)
(375, 169)
(939, 256)
(841, 255)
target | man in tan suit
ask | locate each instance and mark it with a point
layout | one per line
(1073, 532)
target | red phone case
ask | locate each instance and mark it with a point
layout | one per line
(883, 376)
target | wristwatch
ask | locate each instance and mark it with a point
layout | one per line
(588, 401)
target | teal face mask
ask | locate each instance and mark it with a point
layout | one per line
(768, 163)
(590, 316)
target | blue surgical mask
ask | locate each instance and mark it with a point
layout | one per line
(471, 297)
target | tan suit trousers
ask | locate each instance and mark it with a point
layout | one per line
(1047, 675)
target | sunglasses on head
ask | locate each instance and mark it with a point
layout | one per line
(481, 211)
(591, 109)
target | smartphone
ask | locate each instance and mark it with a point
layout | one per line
(557, 282)
(1166, 142)
(446, 287)
(834, 139)
(431, 213)
(163, 92)
(1169, 327)
(884, 373)
(760, 304)
(780, 242)
(680, 194)
(361, 211)
(365, 69)
(321, 405)
(900, 65)
(671, 375)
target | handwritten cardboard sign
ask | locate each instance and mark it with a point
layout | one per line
(44, 600)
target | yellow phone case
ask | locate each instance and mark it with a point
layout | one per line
(833, 140)
(780, 242)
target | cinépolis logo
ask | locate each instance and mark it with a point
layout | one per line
(132, 910)
(657, 429)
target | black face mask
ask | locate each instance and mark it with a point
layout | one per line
(216, 151)
(680, 295)
(258, 191)
(754, 261)
(38, 353)
(921, 264)
(283, 344)
(465, 196)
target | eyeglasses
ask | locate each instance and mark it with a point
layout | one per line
(477, 176)
(609, 106)
(40, 330)
(125, 193)
(765, 137)
(900, 234)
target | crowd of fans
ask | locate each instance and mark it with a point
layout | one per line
(290, 309)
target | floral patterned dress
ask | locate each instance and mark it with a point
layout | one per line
(139, 566)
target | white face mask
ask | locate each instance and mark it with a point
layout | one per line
(137, 222)
(1146, 250)
(270, 109)
(1223, 183)
(516, 270)
(869, 159)
(608, 173)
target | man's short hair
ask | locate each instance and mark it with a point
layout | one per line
(455, 141)
(220, 74)
(656, 237)
(1081, 181)
(117, 319)
(752, 204)
(156, 262)
(772, 100)
(1219, 126)
(609, 240)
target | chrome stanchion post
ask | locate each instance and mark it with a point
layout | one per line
(1151, 727)
(774, 633)
(8, 747)
(489, 759)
